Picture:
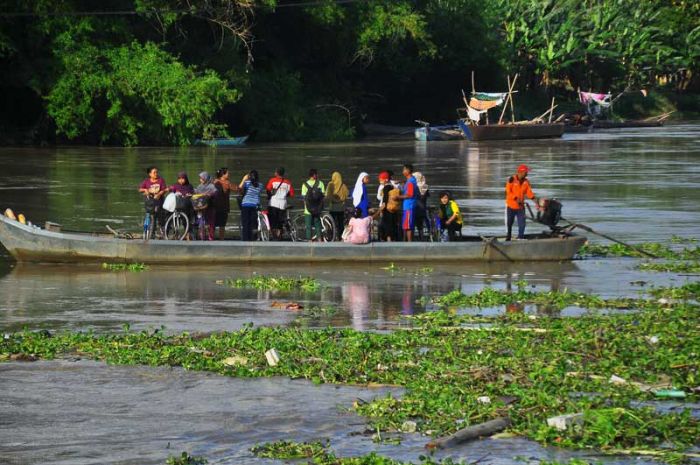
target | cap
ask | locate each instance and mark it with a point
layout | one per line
(523, 169)
(384, 176)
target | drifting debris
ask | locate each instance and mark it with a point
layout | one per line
(272, 357)
(409, 426)
(564, 422)
(484, 400)
(235, 360)
(470, 433)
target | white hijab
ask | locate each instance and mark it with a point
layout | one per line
(357, 192)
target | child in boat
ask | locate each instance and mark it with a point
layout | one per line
(450, 216)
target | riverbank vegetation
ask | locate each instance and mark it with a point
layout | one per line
(530, 368)
(165, 72)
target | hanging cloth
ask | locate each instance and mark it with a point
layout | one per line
(604, 100)
(484, 104)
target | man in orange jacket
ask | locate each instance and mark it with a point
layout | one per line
(517, 188)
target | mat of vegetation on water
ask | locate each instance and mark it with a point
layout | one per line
(531, 368)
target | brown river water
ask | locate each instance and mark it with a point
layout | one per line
(637, 185)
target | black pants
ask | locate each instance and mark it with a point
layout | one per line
(388, 226)
(511, 215)
(452, 229)
(249, 222)
(339, 219)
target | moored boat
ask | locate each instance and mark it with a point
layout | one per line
(438, 133)
(512, 131)
(29, 243)
(222, 141)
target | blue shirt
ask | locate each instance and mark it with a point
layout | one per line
(252, 195)
(410, 189)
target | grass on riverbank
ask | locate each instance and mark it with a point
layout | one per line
(531, 369)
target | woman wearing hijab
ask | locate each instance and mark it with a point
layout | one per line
(359, 194)
(251, 187)
(337, 193)
(206, 187)
(421, 206)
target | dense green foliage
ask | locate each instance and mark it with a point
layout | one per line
(169, 72)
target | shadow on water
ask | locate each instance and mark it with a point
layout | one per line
(80, 413)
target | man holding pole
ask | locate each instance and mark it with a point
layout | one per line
(517, 188)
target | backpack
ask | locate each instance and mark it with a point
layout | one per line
(313, 198)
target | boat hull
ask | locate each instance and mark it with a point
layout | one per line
(33, 244)
(511, 131)
(222, 142)
(438, 133)
(626, 124)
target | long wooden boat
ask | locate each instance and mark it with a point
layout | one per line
(606, 124)
(33, 244)
(511, 131)
(222, 141)
(433, 133)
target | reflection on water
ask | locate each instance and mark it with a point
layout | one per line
(188, 298)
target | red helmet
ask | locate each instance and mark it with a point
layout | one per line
(523, 169)
(384, 176)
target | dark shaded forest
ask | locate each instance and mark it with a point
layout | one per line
(146, 72)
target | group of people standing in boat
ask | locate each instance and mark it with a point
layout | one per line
(400, 206)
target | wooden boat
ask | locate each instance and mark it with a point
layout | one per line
(33, 244)
(432, 133)
(511, 131)
(606, 124)
(222, 141)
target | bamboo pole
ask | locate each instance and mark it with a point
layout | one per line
(510, 91)
(473, 88)
(512, 105)
(551, 111)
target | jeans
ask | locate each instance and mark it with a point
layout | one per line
(312, 221)
(511, 214)
(249, 222)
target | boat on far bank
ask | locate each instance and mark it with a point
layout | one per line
(222, 141)
(30, 243)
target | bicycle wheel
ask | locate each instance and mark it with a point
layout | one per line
(263, 228)
(177, 226)
(327, 228)
(148, 226)
(298, 225)
(291, 230)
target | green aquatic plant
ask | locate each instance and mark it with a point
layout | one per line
(186, 459)
(133, 267)
(280, 283)
(532, 368)
(655, 248)
(286, 450)
(671, 267)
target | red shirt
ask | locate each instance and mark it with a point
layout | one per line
(153, 187)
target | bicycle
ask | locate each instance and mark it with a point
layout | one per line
(177, 226)
(327, 227)
(263, 231)
(431, 226)
(289, 231)
(149, 222)
(200, 202)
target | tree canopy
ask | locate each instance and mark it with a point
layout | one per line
(168, 71)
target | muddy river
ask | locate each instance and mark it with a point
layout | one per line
(637, 185)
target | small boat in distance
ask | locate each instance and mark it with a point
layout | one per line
(222, 141)
(430, 133)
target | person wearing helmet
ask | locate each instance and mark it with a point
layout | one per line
(517, 188)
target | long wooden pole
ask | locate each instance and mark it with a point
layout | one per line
(512, 105)
(473, 88)
(551, 111)
(505, 105)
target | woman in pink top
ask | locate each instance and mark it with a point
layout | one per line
(359, 229)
